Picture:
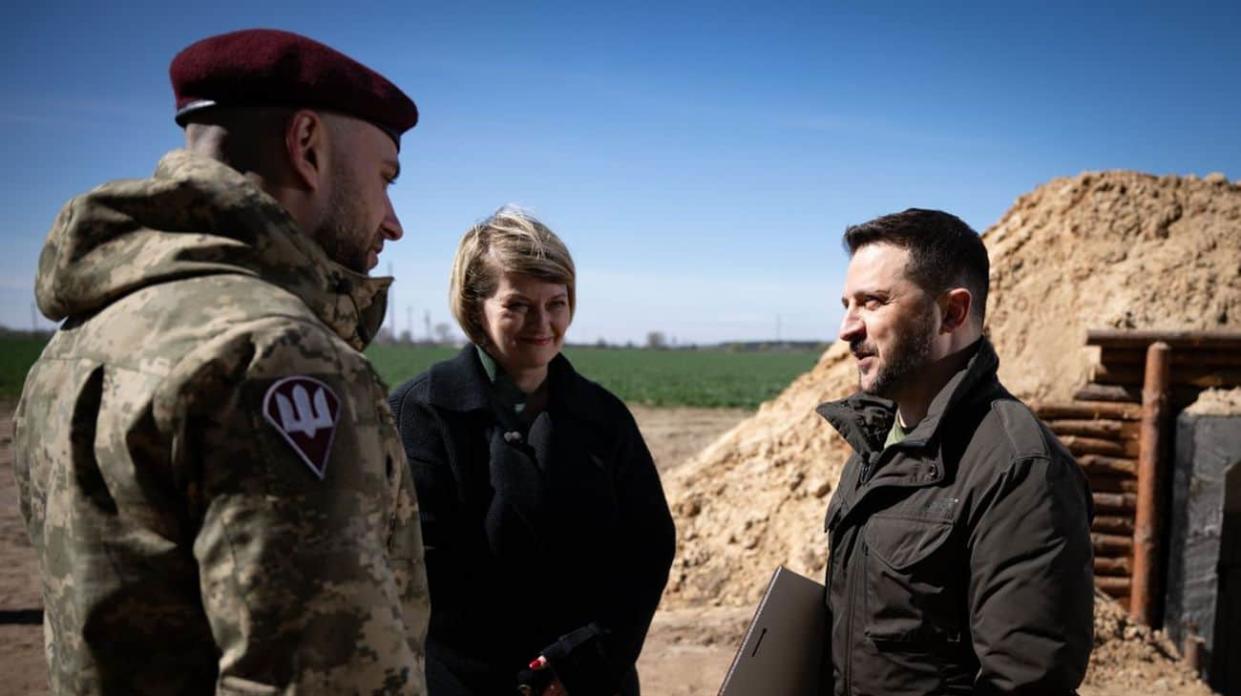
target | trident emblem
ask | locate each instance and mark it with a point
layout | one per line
(301, 416)
(304, 411)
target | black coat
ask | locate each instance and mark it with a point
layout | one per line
(961, 559)
(557, 542)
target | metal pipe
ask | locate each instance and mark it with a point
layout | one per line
(1155, 413)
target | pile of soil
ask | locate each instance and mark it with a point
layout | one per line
(1131, 658)
(1099, 250)
(1217, 402)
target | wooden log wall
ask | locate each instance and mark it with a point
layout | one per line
(1103, 437)
(1101, 428)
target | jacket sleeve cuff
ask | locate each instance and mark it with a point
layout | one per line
(581, 662)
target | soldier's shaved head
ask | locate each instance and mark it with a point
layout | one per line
(246, 139)
(320, 166)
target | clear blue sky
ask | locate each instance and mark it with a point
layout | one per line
(700, 159)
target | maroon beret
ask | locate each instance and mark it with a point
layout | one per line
(266, 67)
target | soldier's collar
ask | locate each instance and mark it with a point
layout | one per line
(352, 304)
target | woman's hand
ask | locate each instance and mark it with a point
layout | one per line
(553, 688)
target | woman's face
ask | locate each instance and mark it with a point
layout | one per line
(525, 319)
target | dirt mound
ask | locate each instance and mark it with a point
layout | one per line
(1134, 658)
(1113, 249)
(1217, 402)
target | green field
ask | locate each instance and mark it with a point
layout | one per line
(712, 378)
(17, 354)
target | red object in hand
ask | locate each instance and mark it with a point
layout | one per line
(538, 663)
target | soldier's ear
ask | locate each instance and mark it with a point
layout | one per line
(955, 305)
(305, 144)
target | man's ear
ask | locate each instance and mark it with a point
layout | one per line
(306, 145)
(956, 305)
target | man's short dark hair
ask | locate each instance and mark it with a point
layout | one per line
(944, 252)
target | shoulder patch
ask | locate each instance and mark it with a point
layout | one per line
(305, 412)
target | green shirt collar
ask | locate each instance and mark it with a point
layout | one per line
(503, 389)
(897, 433)
(489, 363)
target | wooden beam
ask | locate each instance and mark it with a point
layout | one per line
(1080, 446)
(1121, 338)
(1110, 584)
(1192, 650)
(1113, 484)
(1109, 392)
(1184, 375)
(1155, 418)
(1112, 566)
(1097, 428)
(1113, 524)
(1189, 356)
(1111, 544)
(1089, 409)
(1182, 395)
(1115, 501)
(1098, 464)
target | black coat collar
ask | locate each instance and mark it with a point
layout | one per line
(864, 420)
(462, 384)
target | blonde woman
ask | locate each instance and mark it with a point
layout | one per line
(547, 533)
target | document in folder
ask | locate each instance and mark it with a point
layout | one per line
(782, 651)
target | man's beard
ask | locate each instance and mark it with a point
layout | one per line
(907, 358)
(341, 233)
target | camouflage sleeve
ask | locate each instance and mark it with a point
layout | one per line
(307, 545)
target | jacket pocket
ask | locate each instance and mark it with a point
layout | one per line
(910, 596)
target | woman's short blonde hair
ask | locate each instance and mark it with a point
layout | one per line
(511, 241)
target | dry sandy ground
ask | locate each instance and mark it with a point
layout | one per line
(21, 644)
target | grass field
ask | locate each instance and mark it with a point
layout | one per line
(17, 354)
(706, 378)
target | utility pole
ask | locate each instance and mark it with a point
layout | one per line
(426, 321)
(409, 321)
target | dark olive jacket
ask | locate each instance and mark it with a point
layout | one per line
(961, 560)
(554, 541)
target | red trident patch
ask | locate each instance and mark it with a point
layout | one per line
(304, 411)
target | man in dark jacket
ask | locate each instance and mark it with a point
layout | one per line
(960, 560)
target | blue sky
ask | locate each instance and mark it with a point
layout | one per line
(700, 159)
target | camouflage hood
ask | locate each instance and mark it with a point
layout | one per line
(194, 217)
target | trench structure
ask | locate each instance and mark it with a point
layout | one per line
(1120, 429)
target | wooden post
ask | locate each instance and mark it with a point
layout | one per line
(1155, 412)
(1192, 652)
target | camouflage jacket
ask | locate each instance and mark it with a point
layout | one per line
(207, 464)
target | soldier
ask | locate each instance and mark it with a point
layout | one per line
(207, 464)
